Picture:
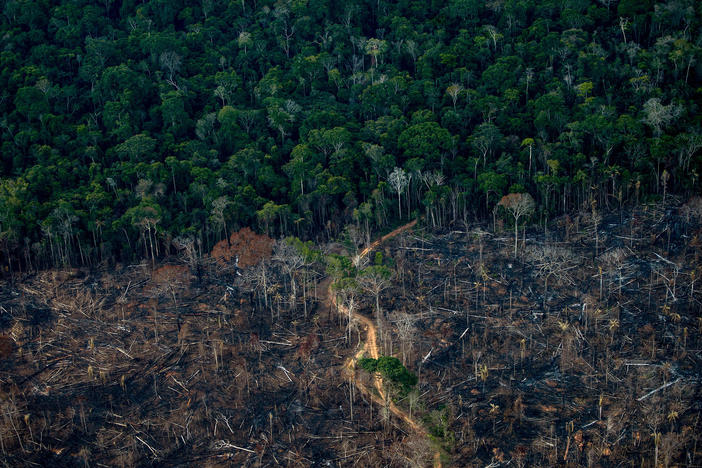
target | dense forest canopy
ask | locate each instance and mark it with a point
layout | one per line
(127, 125)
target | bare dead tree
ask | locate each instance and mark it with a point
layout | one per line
(346, 290)
(171, 62)
(398, 181)
(414, 451)
(552, 261)
(187, 250)
(406, 331)
(356, 238)
(375, 279)
(170, 280)
(517, 205)
(291, 260)
(692, 210)
(613, 263)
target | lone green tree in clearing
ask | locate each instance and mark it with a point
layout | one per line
(518, 205)
(400, 379)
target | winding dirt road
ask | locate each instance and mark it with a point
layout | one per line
(370, 346)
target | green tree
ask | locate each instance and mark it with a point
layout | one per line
(427, 142)
(392, 370)
(136, 146)
(13, 211)
(491, 182)
(175, 118)
(485, 139)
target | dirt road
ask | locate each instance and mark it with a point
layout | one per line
(370, 346)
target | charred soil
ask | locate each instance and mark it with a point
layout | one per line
(583, 350)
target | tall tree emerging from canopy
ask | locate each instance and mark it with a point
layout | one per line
(454, 90)
(398, 181)
(426, 141)
(658, 116)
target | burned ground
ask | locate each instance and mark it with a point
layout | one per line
(582, 350)
(571, 353)
(159, 367)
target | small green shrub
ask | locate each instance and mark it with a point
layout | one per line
(368, 364)
(392, 370)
